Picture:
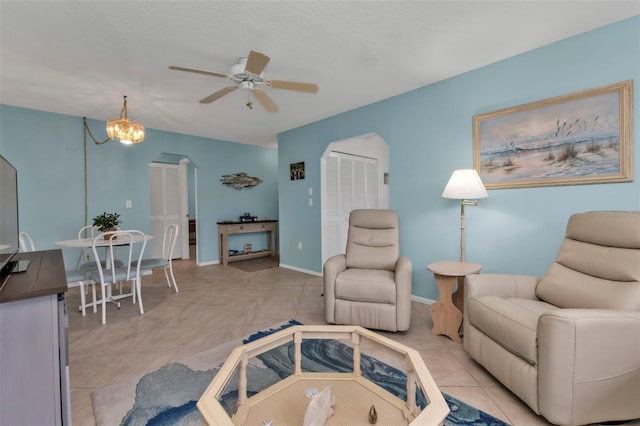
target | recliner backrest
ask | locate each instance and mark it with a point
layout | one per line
(373, 239)
(598, 264)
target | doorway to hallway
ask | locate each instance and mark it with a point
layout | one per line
(354, 175)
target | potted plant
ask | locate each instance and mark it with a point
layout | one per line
(107, 222)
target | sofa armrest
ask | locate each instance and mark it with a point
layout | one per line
(332, 267)
(501, 285)
(404, 272)
(589, 355)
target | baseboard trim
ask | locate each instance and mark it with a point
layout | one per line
(414, 298)
(306, 271)
(424, 300)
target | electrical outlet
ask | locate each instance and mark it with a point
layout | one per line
(300, 245)
(310, 191)
(128, 204)
(310, 202)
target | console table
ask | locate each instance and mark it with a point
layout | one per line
(229, 228)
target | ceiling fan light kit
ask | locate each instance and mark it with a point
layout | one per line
(126, 131)
(247, 74)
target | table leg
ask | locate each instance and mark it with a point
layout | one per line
(458, 295)
(269, 241)
(224, 248)
(446, 317)
(458, 300)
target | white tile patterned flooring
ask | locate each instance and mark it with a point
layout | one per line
(219, 303)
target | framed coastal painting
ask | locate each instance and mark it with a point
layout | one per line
(580, 138)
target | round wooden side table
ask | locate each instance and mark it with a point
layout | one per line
(447, 311)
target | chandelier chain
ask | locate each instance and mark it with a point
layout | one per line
(87, 130)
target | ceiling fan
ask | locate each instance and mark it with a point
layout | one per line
(247, 74)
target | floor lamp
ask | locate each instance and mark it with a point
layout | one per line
(464, 185)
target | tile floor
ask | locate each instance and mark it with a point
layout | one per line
(220, 303)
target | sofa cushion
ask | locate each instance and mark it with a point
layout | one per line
(510, 322)
(567, 288)
(598, 264)
(373, 240)
(366, 285)
(606, 228)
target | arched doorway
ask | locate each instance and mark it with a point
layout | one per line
(353, 175)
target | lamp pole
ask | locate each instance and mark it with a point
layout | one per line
(462, 204)
(464, 184)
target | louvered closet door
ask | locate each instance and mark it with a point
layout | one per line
(165, 191)
(351, 183)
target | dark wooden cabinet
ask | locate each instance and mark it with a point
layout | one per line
(192, 232)
(34, 372)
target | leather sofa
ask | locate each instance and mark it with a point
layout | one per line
(370, 285)
(567, 343)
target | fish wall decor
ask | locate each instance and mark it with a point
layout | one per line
(240, 180)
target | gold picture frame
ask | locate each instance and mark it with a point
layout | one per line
(575, 139)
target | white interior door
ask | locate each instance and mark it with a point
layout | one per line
(350, 183)
(183, 237)
(166, 189)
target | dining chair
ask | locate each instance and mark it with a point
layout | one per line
(88, 231)
(25, 242)
(86, 261)
(166, 261)
(131, 244)
(75, 278)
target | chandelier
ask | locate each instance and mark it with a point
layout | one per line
(126, 131)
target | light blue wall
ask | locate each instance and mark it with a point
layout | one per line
(429, 132)
(47, 149)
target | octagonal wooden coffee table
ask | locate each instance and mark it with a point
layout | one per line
(285, 402)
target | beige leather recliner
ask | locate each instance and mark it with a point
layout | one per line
(370, 285)
(567, 344)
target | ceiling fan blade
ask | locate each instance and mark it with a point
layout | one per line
(256, 63)
(293, 85)
(265, 101)
(215, 74)
(217, 95)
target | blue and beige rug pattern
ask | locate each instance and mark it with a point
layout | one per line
(168, 395)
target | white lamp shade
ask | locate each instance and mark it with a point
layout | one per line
(465, 184)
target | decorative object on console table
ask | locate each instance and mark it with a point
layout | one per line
(463, 185)
(248, 218)
(579, 138)
(446, 313)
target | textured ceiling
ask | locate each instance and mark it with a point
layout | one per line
(80, 57)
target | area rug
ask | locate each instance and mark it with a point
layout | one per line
(168, 395)
(257, 264)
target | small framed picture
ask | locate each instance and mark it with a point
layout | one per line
(296, 171)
